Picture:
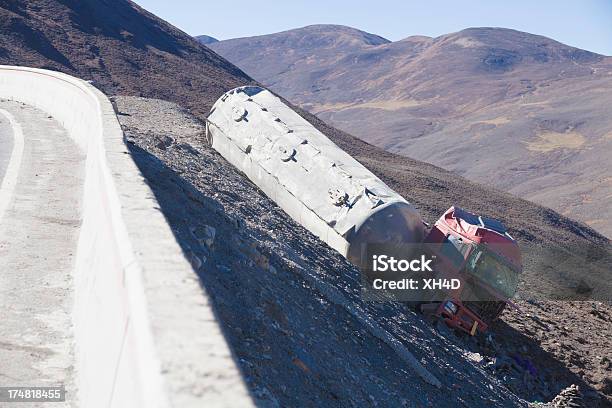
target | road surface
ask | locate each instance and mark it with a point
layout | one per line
(6, 145)
(40, 201)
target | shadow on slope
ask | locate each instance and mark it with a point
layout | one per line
(291, 306)
(533, 373)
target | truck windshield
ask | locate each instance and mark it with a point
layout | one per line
(492, 271)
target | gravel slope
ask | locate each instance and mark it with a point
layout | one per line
(291, 305)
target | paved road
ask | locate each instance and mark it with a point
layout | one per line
(6, 145)
(38, 238)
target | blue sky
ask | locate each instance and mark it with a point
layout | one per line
(585, 24)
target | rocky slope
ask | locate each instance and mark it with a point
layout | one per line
(291, 305)
(510, 109)
(287, 322)
(301, 299)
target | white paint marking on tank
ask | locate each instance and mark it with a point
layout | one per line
(338, 196)
(238, 113)
(286, 153)
(14, 164)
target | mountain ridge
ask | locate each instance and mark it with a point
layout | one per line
(334, 29)
(206, 39)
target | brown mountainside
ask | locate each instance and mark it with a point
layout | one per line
(121, 47)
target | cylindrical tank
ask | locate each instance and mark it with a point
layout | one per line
(307, 175)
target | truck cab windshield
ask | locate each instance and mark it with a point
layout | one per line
(494, 272)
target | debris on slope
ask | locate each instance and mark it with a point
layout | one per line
(542, 348)
(568, 342)
(568, 398)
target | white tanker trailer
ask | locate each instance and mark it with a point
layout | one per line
(307, 175)
(343, 203)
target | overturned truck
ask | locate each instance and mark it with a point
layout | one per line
(336, 198)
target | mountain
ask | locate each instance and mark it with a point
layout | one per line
(117, 44)
(289, 327)
(517, 111)
(206, 39)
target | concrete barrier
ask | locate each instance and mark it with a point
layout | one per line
(146, 334)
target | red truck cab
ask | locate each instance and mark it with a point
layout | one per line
(487, 260)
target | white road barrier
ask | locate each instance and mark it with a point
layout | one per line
(138, 312)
